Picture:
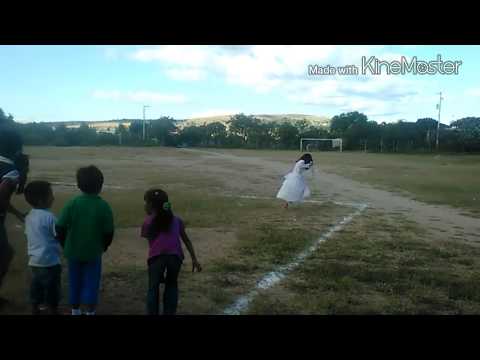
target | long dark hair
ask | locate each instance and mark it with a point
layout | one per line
(307, 158)
(158, 200)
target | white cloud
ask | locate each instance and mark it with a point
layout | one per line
(260, 67)
(283, 69)
(265, 67)
(188, 55)
(373, 95)
(139, 96)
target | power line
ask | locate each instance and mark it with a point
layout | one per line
(144, 107)
(439, 107)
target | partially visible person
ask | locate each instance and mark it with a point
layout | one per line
(12, 179)
(85, 230)
(43, 248)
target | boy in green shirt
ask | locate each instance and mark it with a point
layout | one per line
(85, 230)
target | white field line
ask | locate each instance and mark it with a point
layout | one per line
(274, 277)
(340, 203)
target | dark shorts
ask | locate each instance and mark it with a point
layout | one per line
(46, 285)
(6, 251)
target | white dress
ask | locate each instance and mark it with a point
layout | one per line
(294, 187)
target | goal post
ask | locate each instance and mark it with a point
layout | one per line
(335, 143)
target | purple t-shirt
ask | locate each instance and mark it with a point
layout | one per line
(164, 243)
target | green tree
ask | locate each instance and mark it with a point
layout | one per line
(4, 119)
(362, 133)
(60, 135)
(468, 130)
(341, 123)
(216, 134)
(136, 129)
(162, 130)
(37, 134)
(123, 135)
(245, 128)
(106, 139)
(267, 135)
(192, 135)
(302, 126)
(426, 132)
(288, 136)
(85, 136)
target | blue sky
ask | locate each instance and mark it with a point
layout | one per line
(71, 83)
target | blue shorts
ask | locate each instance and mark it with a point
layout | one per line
(84, 281)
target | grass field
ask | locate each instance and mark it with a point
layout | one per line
(379, 264)
(437, 179)
(374, 268)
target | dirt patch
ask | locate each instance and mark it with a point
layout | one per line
(124, 281)
(129, 249)
(327, 186)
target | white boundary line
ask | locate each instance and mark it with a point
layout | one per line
(341, 203)
(272, 278)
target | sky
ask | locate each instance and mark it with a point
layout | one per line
(92, 83)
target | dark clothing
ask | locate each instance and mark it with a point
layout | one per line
(156, 275)
(6, 251)
(46, 285)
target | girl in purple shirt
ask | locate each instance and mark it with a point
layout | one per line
(165, 255)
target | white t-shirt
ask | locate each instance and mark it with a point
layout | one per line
(43, 249)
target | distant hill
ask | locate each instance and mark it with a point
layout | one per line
(111, 125)
(291, 118)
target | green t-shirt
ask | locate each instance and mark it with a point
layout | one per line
(87, 219)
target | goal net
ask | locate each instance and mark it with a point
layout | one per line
(314, 144)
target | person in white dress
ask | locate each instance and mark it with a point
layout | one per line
(294, 188)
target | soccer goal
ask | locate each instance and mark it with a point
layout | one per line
(314, 144)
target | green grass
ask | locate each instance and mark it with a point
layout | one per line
(381, 265)
(437, 179)
(257, 252)
(378, 265)
(267, 235)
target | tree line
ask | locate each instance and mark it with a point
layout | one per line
(247, 131)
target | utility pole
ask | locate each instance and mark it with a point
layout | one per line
(439, 107)
(144, 107)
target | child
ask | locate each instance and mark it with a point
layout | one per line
(163, 231)
(85, 230)
(43, 248)
(12, 179)
(294, 187)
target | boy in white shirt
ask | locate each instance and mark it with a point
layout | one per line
(43, 248)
